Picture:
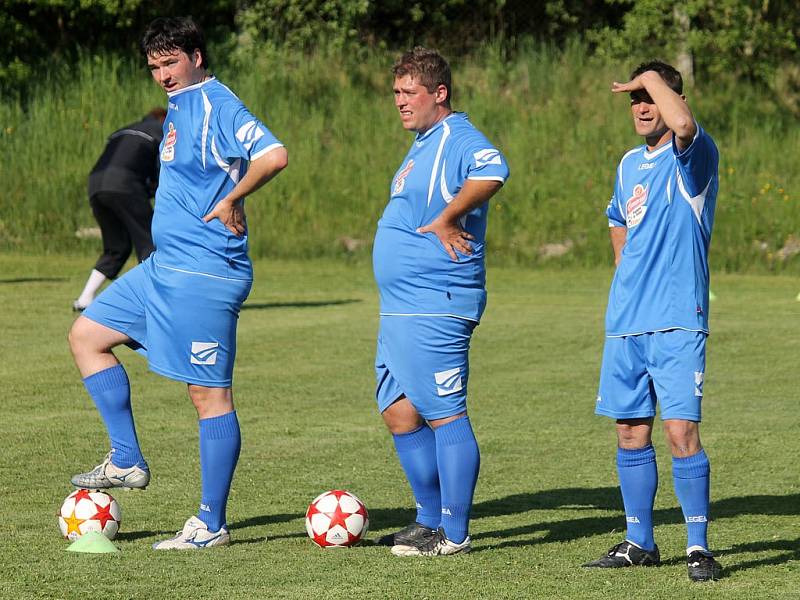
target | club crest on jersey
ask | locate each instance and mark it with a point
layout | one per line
(400, 180)
(168, 152)
(636, 206)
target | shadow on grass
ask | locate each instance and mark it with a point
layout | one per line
(129, 536)
(299, 304)
(32, 280)
(564, 530)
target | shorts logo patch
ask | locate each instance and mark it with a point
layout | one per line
(489, 156)
(632, 519)
(448, 382)
(636, 206)
(698, 384)
(168, 152)
(204, 353)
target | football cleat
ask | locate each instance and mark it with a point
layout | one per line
(703, 567)
(195, 536)
(626, 554)
(407, 536)
(107, 475)
(435, 545)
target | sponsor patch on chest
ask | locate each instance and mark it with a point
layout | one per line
(636, 206)
(168, 151)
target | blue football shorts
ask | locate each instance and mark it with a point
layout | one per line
(665, 367)
(183, 322)
(426, 360)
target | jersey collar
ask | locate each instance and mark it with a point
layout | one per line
(438, 125)
(658, 151)
(189, 88)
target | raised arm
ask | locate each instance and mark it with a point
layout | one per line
(672, 106)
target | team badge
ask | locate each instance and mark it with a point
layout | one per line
(400, 180)
(636, 206)
(168, 152)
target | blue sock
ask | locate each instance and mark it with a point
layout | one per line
(691, 476)
(638, 480)
(459, 461)
(220, 441)
(417, 453)
(111, 393)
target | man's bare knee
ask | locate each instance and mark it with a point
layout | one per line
(634, 433)
(401, 417)
(683, 437)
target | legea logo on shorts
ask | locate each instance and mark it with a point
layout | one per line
(698, 383)
(204, 353)
(448, 382)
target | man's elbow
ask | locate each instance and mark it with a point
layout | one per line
(278, 159)
(685, 128)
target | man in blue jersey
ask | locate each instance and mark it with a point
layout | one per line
(180, 307)
(660, 218)
(428, 259)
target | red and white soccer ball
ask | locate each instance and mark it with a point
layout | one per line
(84, 511)
(336, 519)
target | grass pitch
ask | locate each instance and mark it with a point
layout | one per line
(546, 499)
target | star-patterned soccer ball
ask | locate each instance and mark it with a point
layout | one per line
(84, 511)
(336, 519)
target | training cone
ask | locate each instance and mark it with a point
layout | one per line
(93, 542)
(798, 298)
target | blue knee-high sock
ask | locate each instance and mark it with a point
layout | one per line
(691, 476)
(417, 453)
(638, 480)
(111, 393)
(220, 441)
(459, 461)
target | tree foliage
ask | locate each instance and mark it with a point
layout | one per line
(753, 39)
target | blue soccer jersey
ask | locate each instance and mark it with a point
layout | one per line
(666, 199)
(414, 273)
(209, 138)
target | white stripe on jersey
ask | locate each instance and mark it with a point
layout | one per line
(448, 197)
(445, 135)
(696, 202)
(206, 119)
(231, 169)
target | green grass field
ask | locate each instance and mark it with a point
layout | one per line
(546, 499)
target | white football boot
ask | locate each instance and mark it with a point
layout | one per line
(107, 475)
(436, 545)
(195, 536)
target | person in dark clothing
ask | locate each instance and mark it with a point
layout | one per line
(121, 184)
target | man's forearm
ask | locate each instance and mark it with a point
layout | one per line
(618, 237)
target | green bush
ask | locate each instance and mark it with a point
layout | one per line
(549, 110)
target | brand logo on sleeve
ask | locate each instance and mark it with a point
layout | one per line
(489, 156)
(204, 353)
(168, 152)
(400, 180)
(448, 382)
(249, 134)
(636, 206)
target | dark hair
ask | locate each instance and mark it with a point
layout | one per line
(428, 67)
(669, 74)
(167, 34)
(157, 113)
